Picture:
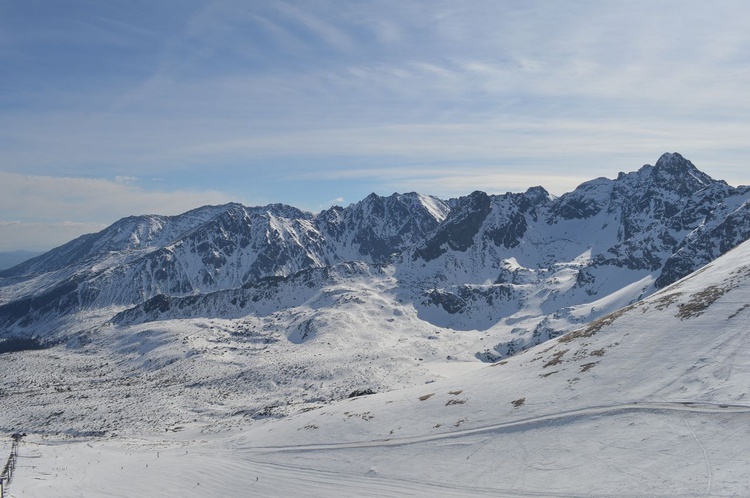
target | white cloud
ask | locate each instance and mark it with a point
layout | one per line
(509, 94)
(338, 201)
(454, 181)
(37, 236)
(125, 179)
(333, 36)
(34, 207)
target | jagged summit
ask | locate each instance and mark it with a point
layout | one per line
(538, 194)
(675, 163)
(674, 170)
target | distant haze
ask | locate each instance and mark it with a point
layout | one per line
(11, 259)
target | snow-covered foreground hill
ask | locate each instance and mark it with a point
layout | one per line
(649, 400)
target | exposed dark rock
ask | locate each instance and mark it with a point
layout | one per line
(458, 230)
(361, 392)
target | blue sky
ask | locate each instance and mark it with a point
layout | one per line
(129, 107)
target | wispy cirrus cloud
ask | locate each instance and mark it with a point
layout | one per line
(248, 97)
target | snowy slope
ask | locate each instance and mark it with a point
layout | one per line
(650, 400)
(278, 308)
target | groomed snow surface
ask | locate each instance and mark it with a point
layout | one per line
(649, 401)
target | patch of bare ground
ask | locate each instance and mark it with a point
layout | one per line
(367, 416)
(455, 402)
(556, 358)
(700, 301)
(595, 326)
(426, 397)
(588, 366)
(518, 402)
(664, 302)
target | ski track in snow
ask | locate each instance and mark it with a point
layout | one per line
(705, 456)
(525, 424)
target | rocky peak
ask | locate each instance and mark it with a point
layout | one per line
(537, 195)
(381, 226)
(674, 172)
(674, 163)
(588, 199)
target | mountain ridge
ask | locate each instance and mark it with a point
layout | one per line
(453, 259)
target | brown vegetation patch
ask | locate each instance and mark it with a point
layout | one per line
(367, 416)
(588, 366)
(665, 301)
(426, 397)
(595, 326)
(700, 301)
(455, 393)
(456, 402)
(556, 358)
(518, 402)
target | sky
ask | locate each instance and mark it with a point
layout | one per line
(109, 109)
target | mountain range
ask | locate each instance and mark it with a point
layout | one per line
(591, 344)
(538, 262)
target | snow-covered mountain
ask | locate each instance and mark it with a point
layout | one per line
(650, 400)
(524, 266)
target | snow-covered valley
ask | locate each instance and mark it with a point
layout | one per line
(651, 400)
